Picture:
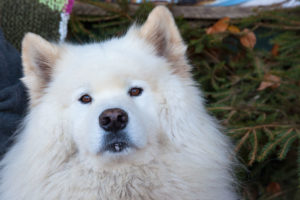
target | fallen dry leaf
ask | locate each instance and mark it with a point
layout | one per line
(274, 50)
(273, 188)
(233, 29)
(249, 39)
(269, 81)
(263, 85)
(219, 27)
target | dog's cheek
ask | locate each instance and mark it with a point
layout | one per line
(84, 130)
(151, 122)
(94, 139)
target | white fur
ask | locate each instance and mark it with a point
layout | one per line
(180, 152)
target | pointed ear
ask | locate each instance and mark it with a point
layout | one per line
(38, 57)
(161, 31)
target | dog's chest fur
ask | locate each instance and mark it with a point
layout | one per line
(137, 182)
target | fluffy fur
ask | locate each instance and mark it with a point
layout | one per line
(179, 152)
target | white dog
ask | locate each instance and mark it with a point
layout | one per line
(121, 119)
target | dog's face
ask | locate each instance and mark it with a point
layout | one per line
(110, 97)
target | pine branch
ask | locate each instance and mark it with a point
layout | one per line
(242, 141)
(286, 146)
(271, 145)
(269, 133)
(254, 149)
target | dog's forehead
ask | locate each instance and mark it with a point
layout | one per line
(114, 62)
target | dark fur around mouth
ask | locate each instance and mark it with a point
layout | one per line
(116, 142)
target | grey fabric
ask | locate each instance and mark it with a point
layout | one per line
(13, 98)
(18, 17)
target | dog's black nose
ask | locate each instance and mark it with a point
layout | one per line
(113, 120)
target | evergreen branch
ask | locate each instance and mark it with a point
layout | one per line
(281, 18)
(97, 19)
(269, 133)
(286, 146)
(242, 141)
(271, 145)
(284, 27)
(105, 6)
(230, 115)
(236, 134)
(80, 27)
(274, 125)
(221, 108)
(113, 8)
(254, 151)
(111, 24)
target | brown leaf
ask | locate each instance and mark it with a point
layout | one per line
(274, 79)
(273, 188)
(219, 27)
(269, 81)
(248, 40)
(274, 50)
(233, 29)
(263, 85)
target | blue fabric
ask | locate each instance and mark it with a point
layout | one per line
(227, 2)
(13, 98)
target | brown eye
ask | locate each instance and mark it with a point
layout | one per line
(135, 91)
(85, 99)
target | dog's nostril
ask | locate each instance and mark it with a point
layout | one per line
(113, 120)
(104, 121)
(122, 118)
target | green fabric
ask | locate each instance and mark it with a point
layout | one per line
(18, 17)
(54, 4)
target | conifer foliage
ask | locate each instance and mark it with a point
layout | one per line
(249, 70)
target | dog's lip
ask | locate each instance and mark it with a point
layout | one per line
(117, 145)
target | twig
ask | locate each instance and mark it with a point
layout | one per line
(242, 141)
(221, 108)
(264, 126)
(253, 156)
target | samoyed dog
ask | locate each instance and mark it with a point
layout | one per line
(121, 119)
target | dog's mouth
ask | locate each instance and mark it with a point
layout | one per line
(117, 147)
(116, 143)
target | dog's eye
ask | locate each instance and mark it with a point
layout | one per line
(85, 99)
(135, 91)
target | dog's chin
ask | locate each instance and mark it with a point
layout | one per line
(118, 148)
(118, 152)
(119, 156)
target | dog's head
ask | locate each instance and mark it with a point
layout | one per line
(114, 99)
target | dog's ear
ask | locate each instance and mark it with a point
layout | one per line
(38, 57)
(161, 31)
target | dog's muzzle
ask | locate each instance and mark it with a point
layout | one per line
(116, 142)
